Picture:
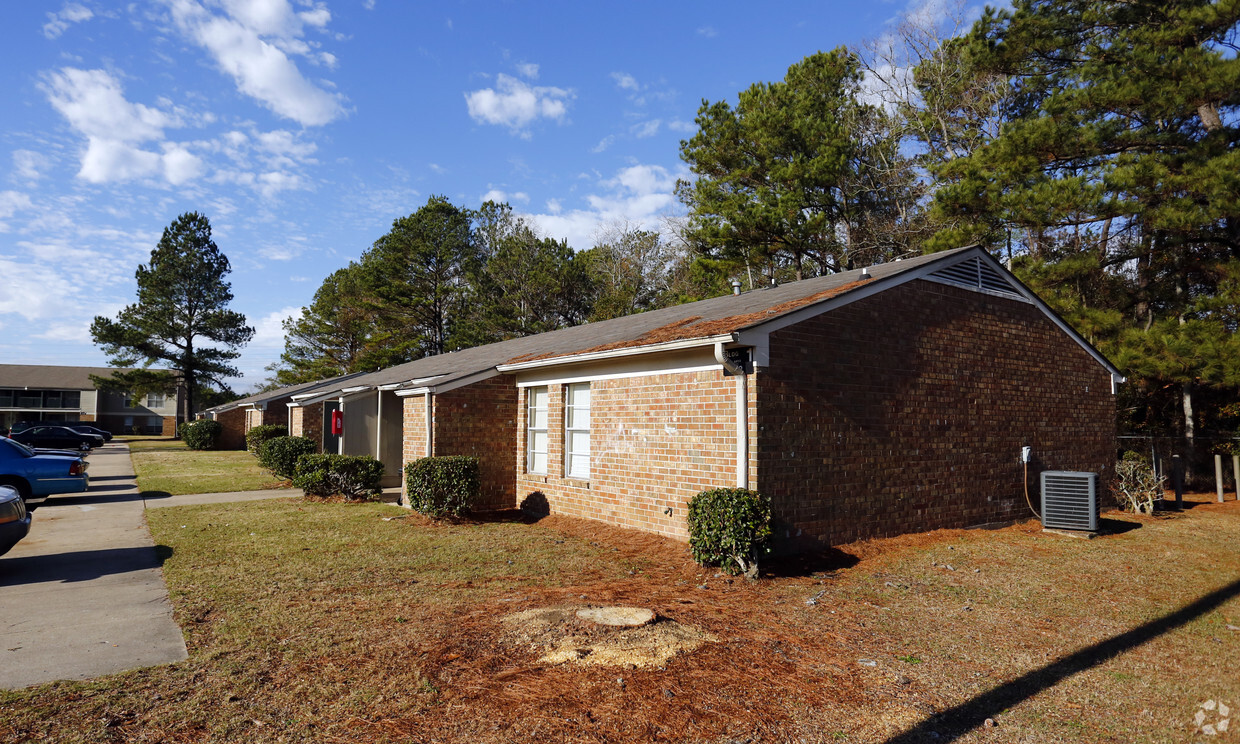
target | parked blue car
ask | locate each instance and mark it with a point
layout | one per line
(14, 518)
(35, 476)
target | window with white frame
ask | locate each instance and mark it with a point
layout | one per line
(154, 400)
(577, 430)
(536, 430)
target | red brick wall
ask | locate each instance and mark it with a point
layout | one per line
(413, 445)
(906, 412)
(169, 426)
(307, 421)
(655, 442)
(233, 435)
(480, 420)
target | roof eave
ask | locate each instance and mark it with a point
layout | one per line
(593, 356)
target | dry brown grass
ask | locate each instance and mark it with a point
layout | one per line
(330, 624)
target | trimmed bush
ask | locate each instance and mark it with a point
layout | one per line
(730, 528)
(255, 437)
(280, 455)
(439, 486)
(201, 434)
(352, 476)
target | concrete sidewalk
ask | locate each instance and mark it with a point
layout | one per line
(83, 595)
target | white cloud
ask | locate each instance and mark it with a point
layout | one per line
(116, 129)
(708, 31)
(26, 289)
(685, 127)
(504, 197)
(528, 70)
(514, 104)
(11, 202)
(94, 103)
(640, 194)
(57, 23)
(269, 330)
(646, 128)
(604, 143)
(625, 81)
(252, 44)
(29, 165)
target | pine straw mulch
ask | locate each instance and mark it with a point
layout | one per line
(771, 663)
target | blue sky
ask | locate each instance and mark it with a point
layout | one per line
(302, 129)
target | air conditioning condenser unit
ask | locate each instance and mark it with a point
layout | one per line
(1069, 500)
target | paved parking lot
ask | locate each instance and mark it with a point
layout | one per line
(83, 594)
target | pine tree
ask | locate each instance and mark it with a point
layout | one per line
(182, 302)
(1115, 162)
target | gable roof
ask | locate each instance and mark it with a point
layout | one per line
(259, 399)
(726, 319)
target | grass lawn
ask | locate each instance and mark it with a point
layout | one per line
(337, 623)
(167, 466)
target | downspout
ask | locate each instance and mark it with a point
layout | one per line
(742, 416)
(430, 424)
(379, 426)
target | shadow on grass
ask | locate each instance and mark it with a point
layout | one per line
(955, 722)
(1116, 526)
(807, 564)
(82, 565)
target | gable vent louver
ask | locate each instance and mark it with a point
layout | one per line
(1069, 500)
(975, 273)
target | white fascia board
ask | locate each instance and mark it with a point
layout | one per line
(569, 379)
(593, 356)
(415, 382)
(311, 399)
(447, 385)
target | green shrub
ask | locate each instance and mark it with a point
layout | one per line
(280, 455)
(201, 434)
(351, 476)
(255, 437)
(730, 528)
(439, 486)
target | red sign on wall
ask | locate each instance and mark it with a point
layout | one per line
(337, 423)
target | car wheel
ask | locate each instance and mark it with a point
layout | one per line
(84, 447)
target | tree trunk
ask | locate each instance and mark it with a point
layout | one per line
(1190, 425)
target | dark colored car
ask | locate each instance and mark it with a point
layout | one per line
(37, 475)
(14, 518)
(88, 429)
(58, 437)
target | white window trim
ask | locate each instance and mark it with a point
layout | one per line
(569, 453)
(530, 429)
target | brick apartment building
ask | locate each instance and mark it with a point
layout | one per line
(260, 409)
(873, 402)
(35, 392)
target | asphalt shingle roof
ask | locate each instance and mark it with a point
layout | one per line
(47, 377)
(702, 319)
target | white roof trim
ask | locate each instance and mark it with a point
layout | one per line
(416, 382)
(592, 356)
(449, 385)
(312, 398)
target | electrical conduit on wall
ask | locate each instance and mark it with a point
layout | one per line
(742, 416)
